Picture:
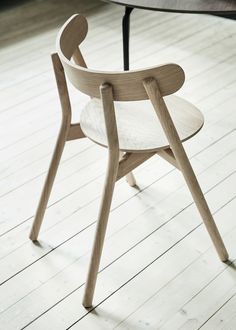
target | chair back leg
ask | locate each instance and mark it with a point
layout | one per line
(202, 205)
(184, 165)
(101, 229)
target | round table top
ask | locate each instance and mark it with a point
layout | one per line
(183, 6)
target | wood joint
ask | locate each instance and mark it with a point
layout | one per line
(130, 161)
(75, 132)
(168, 155)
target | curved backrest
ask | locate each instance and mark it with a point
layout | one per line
(126, 85)
(72, 33)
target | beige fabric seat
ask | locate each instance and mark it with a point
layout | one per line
(139, 129)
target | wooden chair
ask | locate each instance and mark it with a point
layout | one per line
(132, 131)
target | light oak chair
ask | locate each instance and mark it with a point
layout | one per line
(132, 131)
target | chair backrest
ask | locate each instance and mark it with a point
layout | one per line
(127, 86)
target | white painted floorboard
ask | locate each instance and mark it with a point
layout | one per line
(159, 269)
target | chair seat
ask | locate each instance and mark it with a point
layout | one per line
(139, 129)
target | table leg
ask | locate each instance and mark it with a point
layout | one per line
(125, 30)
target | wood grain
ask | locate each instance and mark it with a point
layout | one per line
(62, 137)
(126, 86)
(154, 235)
(182, 160)
(182, 6)
(112, 169)
(68, 42)
(138, 128)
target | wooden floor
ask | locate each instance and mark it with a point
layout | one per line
(159, 269)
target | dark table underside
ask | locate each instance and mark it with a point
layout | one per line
(226, 7)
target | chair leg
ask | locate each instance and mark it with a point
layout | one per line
(49, 180)
(129, 177)
(184, 165)
(203, 208)
(100, 231)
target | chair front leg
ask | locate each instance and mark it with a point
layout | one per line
(110, 180)
(62, 137)
(129, 177)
